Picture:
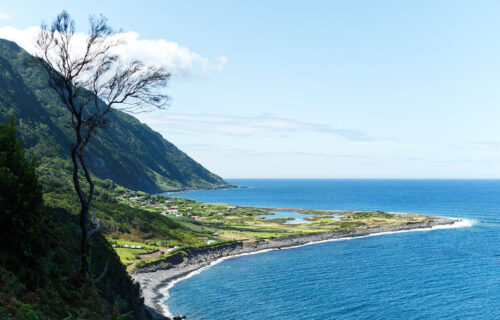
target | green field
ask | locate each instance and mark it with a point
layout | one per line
(210, 224)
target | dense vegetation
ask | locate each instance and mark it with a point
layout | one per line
(39, 252)
(126, 151)
(20, 202)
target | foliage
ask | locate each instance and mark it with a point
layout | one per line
(126, 151)
(39, 253)
(127, 222)
(374, 214)
(20, 203)
(57, 294)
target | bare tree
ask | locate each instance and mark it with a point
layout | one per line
(91, 82)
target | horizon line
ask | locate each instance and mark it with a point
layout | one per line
(274, 178)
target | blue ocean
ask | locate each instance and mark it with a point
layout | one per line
(437, 274)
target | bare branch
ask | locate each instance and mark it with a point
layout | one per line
(94, 231)
(92, 219)
(92, 83)
(99, 278)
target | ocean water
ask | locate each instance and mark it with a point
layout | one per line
(438, 274)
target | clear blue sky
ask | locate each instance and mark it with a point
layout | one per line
(321, 89)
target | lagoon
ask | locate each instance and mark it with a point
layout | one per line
(297, 216)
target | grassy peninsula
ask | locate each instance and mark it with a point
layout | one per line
(212, 224)
(223, 230)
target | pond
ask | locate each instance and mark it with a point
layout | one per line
(298, 218)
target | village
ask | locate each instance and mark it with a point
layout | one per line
(176, 207)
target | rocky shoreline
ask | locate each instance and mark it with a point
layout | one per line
(192, 189)
(158, 275)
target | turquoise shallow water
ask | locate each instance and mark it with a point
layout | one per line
(438, 274)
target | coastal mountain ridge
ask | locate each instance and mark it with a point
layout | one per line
(126, 151)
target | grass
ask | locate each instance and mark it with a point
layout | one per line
(129, 256)
(199, 221)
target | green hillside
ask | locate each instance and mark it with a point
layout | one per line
(39, 247)
(126, 151)
(39, 253)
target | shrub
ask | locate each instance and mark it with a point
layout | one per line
(20, 202)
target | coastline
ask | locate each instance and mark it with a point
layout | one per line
(192, 189)
(157, 278)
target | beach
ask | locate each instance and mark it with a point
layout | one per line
(156, 278)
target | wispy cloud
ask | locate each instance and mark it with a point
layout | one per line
(175, 58)
(244, 153)
(487, 143)
(265, 124)
(5, 16)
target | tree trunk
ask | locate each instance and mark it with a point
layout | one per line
(84, 216)
(77, 159)
(84, 245)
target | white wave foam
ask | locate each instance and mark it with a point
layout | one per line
(460, 223)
